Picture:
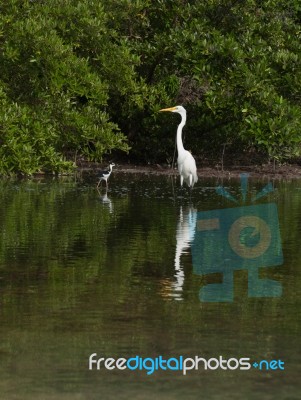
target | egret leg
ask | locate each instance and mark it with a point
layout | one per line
(190, 180)
(181, 179)
(100, 182)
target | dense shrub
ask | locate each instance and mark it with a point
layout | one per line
(88, 78)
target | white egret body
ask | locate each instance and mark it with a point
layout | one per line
(186, 162)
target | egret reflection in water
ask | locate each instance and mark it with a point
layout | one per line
(184, 236)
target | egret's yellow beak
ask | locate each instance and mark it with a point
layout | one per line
(169, 109)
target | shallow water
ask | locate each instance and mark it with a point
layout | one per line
(122, 274)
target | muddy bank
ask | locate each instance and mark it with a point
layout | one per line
(256, 171)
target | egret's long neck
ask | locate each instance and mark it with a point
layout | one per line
(179, 133)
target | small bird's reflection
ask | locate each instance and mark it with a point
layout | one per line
(106, 201)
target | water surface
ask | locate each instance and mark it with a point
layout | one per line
(85, 272)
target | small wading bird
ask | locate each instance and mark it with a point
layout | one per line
(186, 162)
(104, 175)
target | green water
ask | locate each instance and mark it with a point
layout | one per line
(83, 272)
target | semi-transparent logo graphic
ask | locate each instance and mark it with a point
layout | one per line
(239, 238)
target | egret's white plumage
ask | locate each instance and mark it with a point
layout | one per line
(186, 162)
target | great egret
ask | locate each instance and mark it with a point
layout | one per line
(104, 175)
(186, 162)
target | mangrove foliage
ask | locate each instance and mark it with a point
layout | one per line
(86, 78)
